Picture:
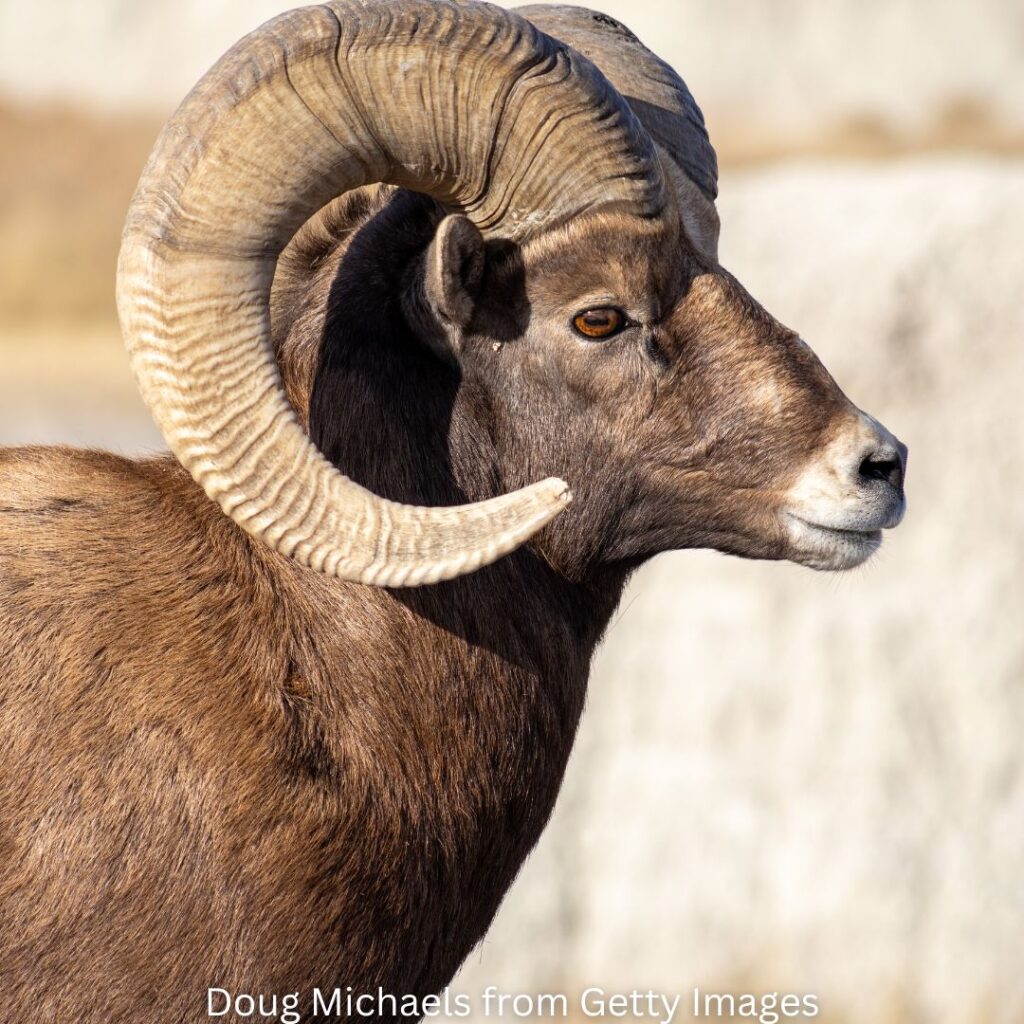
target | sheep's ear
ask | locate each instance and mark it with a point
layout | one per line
(452, 272)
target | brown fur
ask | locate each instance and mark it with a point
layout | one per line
(221, 769)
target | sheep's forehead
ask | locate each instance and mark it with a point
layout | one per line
(629, 257)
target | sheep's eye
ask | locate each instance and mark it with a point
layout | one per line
(599, 323)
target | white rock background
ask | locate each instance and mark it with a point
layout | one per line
(812, 783)
(785, 781)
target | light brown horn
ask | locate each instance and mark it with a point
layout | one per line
(657, 96)
(463, 101)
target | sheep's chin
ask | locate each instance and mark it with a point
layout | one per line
(826, 547)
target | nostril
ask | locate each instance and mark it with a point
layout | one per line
(886, 465)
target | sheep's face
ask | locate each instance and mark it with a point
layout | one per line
(681, 413)
(609, 353)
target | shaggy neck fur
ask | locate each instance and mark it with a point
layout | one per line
(453, 774)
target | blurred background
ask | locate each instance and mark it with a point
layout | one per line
(784, 781)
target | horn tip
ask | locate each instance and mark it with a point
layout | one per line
(556, 491)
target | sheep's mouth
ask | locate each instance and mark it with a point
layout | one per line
(829, 547)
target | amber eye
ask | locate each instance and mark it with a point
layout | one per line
(599, 323)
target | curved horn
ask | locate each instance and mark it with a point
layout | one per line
(657, 96)
(465, 102)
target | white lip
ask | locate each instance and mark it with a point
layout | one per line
(829, 547)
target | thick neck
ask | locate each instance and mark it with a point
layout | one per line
(450, 712)
(492, 668)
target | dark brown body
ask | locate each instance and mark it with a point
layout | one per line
(221, 769)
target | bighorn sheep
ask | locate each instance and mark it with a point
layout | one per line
(237, 753)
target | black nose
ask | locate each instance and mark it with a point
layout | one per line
(888, 462)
